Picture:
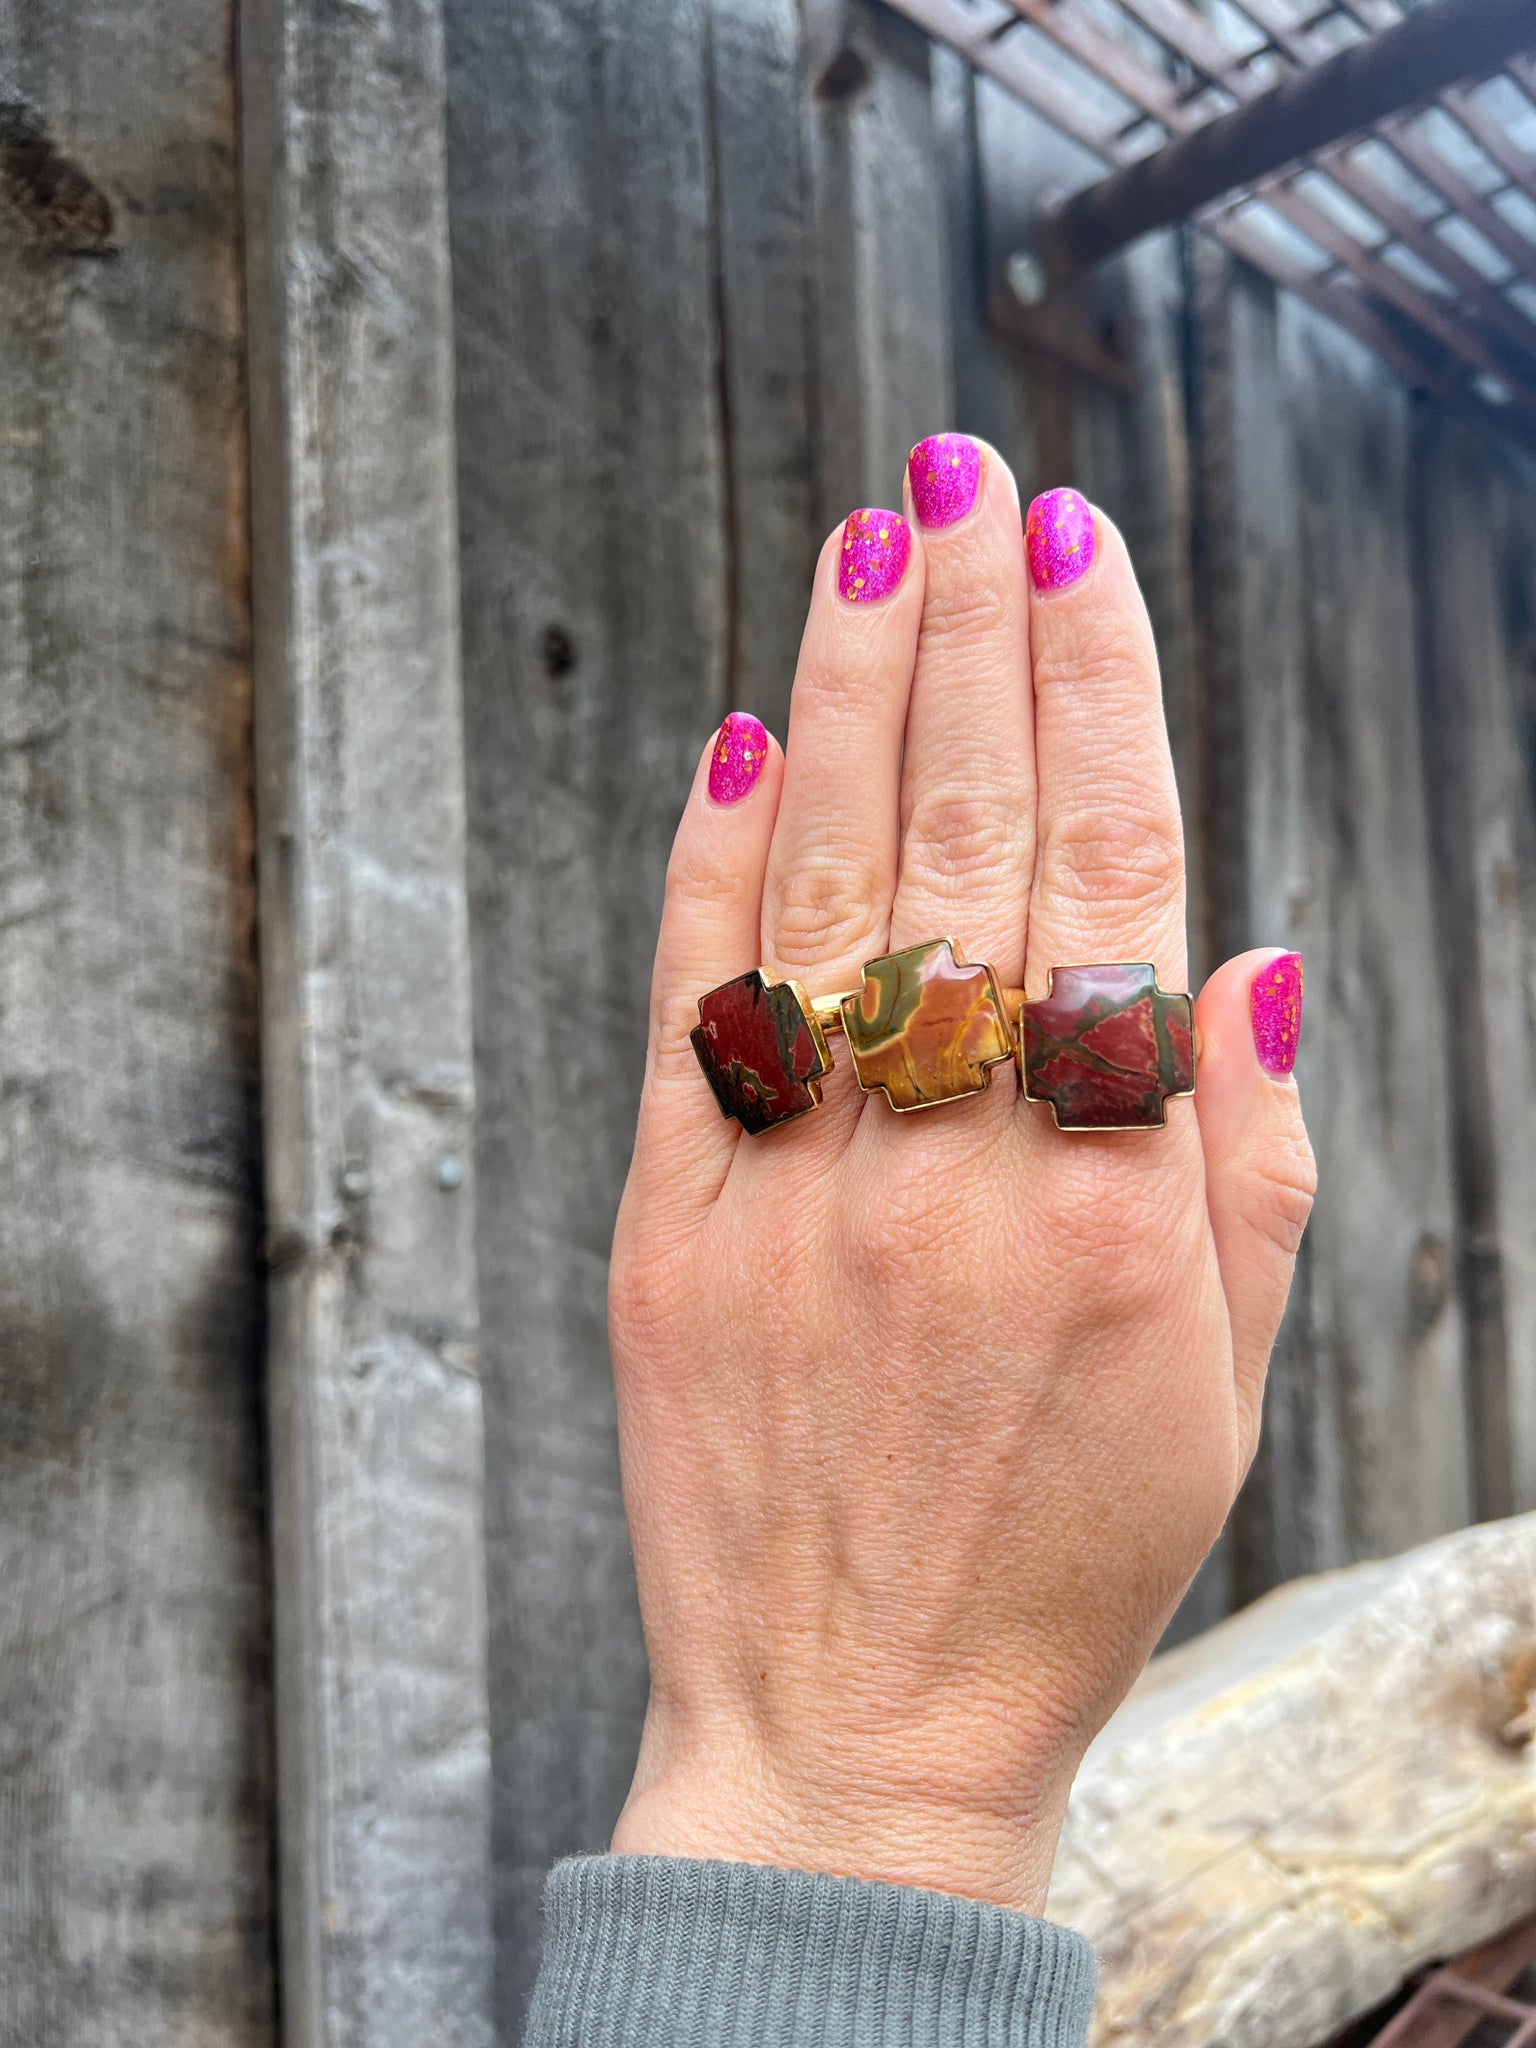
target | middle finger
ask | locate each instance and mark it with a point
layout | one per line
(968, 778)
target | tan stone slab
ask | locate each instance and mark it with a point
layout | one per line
(1294, 1811)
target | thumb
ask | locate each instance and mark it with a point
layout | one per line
(1259, 1172)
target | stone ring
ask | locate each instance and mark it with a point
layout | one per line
(1105, 1046)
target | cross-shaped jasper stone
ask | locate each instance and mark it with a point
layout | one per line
(761, 1049)
(1106, 1048)
(925, 1027)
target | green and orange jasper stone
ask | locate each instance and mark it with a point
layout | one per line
(761, 1049)
(1106, 1048)
(925, 1028)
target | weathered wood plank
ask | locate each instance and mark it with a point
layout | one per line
(1318, 812)
(1475, 519)
(1504, 819)
(135, 1779)
(595, 588)
(884, 370)
(376, 1426)
(765, 325)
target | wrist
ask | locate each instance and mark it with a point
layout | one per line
(854, 1822)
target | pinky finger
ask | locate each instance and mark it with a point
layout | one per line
(710, 925)
(1259, 1172)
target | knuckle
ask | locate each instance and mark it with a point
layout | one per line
(1116, 1238)
(642, 1296)
(1118, 659)
(677, 1012)
(1123, 1280)
(962, 836)
(892, 1243)
(703, 886)
(1280, 1189)
(826, 909)
(1128, 855)
(968, 612)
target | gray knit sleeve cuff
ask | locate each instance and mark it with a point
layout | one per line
(644, 1951)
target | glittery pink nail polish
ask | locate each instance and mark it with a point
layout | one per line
(876, 549)
(1058, 536)
(736, 760)
(1274, 1006)
(945, 473)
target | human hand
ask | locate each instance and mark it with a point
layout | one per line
(927, 1421)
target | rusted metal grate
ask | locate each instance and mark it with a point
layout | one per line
(1416, 232)
(1484, 1999)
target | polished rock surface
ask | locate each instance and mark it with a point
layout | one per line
(759, 1051)
(925, 1028)
(1106, 1048)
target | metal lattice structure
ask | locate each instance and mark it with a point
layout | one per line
(1416, 232)
(1485, 1999)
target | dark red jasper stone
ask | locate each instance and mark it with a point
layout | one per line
(758, 1051)
(1106, 1048)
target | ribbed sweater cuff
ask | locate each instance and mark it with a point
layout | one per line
(642, 1951)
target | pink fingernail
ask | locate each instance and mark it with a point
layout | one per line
(736, 760)
(945, 473)
(1058, 536)
(1274, 1006)
(876, 549)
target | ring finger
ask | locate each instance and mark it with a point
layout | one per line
(1109, 869)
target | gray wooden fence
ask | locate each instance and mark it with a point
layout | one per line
(404, 460)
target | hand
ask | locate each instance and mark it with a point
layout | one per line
(927, 1421)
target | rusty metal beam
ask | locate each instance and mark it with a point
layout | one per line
(1491, 305)
(1439, 319)
(1462, 103)
(952, 23)
(1431, 166)
(1072, 29)
(1340, 298)
(1458, 101)
(1434, 47)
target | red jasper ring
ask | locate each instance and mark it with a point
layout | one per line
(1105, 1048)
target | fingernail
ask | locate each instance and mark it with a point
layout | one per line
(1274, 1006)
(945, 473)
(1058, 536)
(876, 549)
(736, 760)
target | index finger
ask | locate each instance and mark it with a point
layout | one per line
(710, 922)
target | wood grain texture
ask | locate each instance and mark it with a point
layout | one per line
(883, 362)
(1323, 839)
(135, 1775)
(376, 1429)
(765, 322)
(592, 483)
(1475, 518)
